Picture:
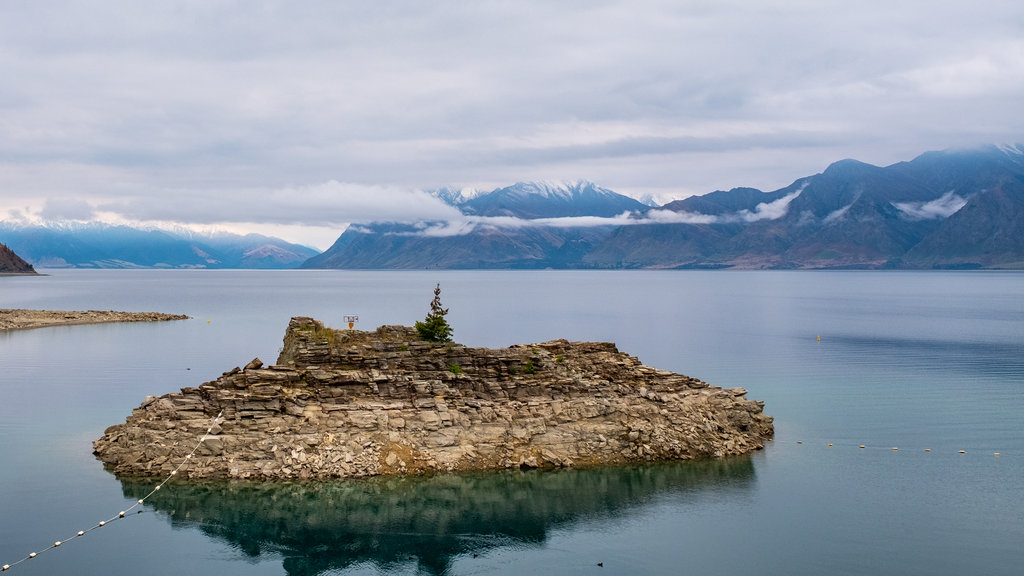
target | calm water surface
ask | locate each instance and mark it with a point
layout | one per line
(910, 360)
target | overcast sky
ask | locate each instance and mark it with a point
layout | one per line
(296, 118)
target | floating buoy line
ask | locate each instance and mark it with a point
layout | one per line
(123, 513)
(892, 448)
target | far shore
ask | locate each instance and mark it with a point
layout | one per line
(20, 319)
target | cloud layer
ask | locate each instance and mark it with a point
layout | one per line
(322, 113)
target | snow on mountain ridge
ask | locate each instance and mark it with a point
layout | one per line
(566, 190)
(454, 196)
(1010, 149)
(176, 230)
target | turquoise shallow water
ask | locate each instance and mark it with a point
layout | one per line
(910, 360)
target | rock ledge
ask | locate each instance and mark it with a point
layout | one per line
(349, 403)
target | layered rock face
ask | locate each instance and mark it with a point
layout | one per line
(348, 403)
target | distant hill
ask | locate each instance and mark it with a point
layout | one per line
(393, 246)
(957, 209)
(11, 263)
(106, 246)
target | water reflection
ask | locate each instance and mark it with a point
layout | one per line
(974, 358)
(322, 526)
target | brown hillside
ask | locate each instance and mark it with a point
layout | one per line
(11, 263)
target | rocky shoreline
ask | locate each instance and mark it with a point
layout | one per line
(20, 319)
(349, 403)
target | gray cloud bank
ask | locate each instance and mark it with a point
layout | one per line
(317, 114)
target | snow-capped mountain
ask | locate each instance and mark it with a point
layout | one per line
(99, 245)
(450, 196)
(551, 200)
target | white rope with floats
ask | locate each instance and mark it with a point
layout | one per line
(893, 448)
(121, 514)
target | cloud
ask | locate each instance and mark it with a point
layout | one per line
(329, 203)
(763, 211)
(467, 224)
(224, 107)
(837, 215)
(770, 210)
(942, 207)
(680, 217)
(67, 209)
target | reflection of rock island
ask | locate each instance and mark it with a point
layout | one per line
(393, 521)
(343, 403)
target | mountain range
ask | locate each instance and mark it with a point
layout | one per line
(960, 209)
(95, 245)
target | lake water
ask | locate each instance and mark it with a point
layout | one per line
(914, 360)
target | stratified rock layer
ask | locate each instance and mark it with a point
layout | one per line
(347, 403)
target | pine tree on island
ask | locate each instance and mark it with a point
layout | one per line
(434, 327)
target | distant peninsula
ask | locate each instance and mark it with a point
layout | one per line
(20, 319)
(351, 403)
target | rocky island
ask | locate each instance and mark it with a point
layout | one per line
(350, 403)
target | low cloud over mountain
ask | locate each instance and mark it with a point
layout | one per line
(956, 208)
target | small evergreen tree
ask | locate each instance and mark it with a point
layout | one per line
(434, 327)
